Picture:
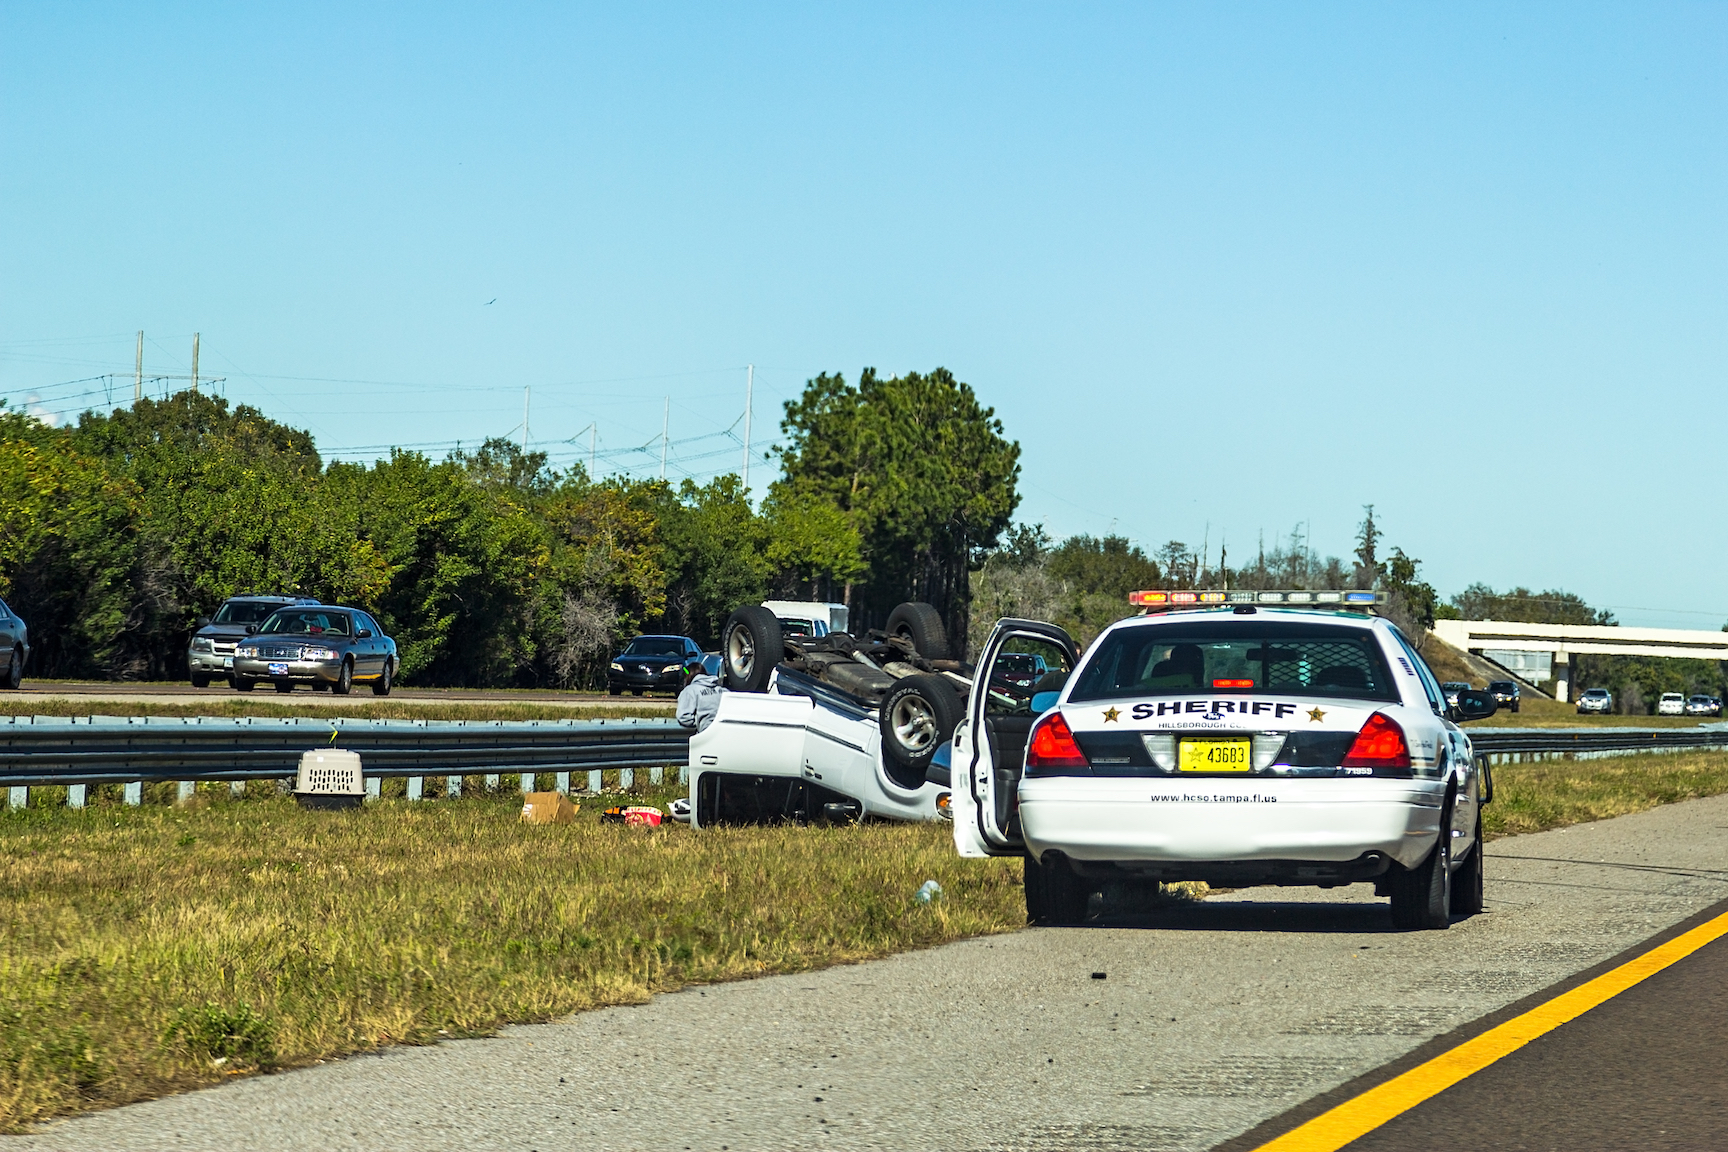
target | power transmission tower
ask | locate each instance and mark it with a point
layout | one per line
(194, 361)
(749, 392)
(138, 370)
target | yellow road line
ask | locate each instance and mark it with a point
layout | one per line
(1362, 1114)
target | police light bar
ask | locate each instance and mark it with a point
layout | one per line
(1164, 600)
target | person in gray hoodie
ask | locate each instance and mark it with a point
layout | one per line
(700, 698)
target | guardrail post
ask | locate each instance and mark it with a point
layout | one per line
(416, 787)
(492, 782)
(237, 789)
(684, 774)
(561, 782)
(374, 788)
(656, 775)
(17, 797)
(187, 787)
(453, 787)
(135, 793)
(75, 795)
(594, 780)
(626, 778)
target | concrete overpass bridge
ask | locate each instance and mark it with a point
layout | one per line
(1552, 645)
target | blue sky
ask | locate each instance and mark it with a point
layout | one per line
(1221, 269)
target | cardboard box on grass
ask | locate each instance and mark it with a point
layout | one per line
(548, 808)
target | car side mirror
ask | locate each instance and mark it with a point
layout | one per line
(203, 622)
(1474, 704)
(251, 629)
(1042, 702)
(363, 634)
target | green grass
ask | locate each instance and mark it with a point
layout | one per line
(328, 708)
(1553, 793)
(148, 950)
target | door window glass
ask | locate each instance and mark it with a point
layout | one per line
(1023, 667)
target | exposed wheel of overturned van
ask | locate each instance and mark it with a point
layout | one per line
(750, 648)
(921, 624)
(918, 715)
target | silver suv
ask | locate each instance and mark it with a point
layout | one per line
(1597, 700)
(211, 654)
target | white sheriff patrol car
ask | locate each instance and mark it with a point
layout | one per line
(1239, 738)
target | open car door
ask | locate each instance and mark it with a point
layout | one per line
(1023, 667)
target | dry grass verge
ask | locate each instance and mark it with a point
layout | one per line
(148, 950)
(1554, 793)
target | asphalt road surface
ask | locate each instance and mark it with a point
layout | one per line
(1641, 1071)
(1210, 1020)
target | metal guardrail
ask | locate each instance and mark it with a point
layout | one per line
(46, 750)
(39, 750)
(1495, 742)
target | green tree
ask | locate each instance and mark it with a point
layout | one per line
(922, 472)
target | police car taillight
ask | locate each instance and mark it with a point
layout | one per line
(1052, 745)
(1380, 744)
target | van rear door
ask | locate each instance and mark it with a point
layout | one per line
(1022, 659)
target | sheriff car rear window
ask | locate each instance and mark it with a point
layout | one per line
(1266, 656)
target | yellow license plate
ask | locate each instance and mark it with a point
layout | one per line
(1214, 756)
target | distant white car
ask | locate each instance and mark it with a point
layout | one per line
(1671, 704)
(1236, 745)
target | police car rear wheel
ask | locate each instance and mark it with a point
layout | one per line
(1067, 895)
(1467, 881)
(1421, 896)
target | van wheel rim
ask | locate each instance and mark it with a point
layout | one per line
(914, 723)
(741, 652)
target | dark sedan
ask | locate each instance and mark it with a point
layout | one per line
(326, 647)
(651, 664)
(15, 639)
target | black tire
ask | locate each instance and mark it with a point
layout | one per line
(751, 647)
(921, 624)
(611, 691)
(1033, 883)
(1514, 706)
(344, 679)
(917, 716)
(381, 686)
(200, 681)
(1467, 881)
(242, 684)
(1422, 896)
(635, 691)
(284, 686)
(14, 669)
(1056, 896)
